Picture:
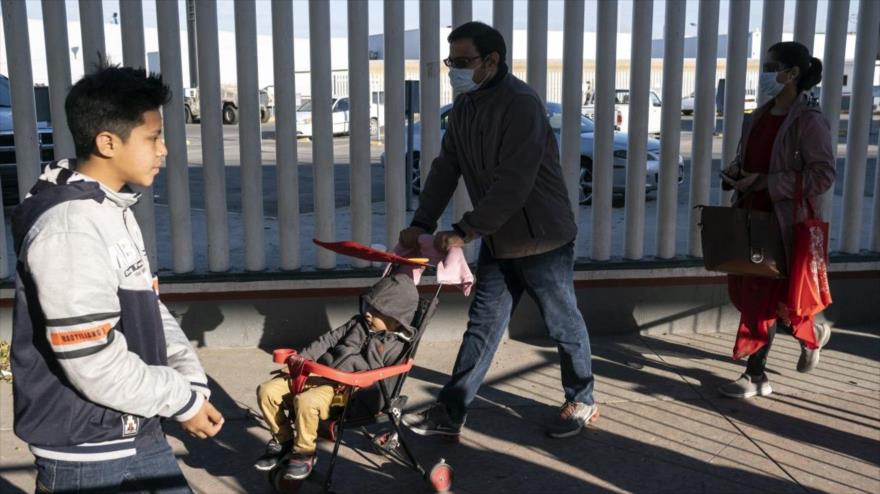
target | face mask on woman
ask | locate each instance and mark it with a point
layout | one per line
(770, 87)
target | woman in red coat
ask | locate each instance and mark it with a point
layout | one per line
(785, 137)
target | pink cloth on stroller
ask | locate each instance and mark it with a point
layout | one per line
(452, 266)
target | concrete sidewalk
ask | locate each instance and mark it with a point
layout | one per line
(663, 427)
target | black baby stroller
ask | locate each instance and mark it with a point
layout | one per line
(389, 381)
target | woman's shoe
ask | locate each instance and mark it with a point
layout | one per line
(810, 357)
(746, 387)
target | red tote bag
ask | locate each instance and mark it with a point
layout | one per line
(808, 290)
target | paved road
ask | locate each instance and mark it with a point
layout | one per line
(231, 150)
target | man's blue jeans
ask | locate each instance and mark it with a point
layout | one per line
(153, 469)
(500, 284)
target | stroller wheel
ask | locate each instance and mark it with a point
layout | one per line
(441, 476)
(385, 442)
(282, 485)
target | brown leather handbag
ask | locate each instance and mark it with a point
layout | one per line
(742, 241)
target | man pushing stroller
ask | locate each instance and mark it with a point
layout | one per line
(374, 338)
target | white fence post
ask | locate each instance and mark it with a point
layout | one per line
(573, 72)
(670, 128)
(211, 124)
(536, 65)
(860, 109)
(395, 169)
(322, 130)
(837, 19)
(287, 162)
(91, 22)
(639, 106)
(359, 127)
(502, 20)
(58, 67)
(250, 134)
(771, 33)
(24, 114)
(805, 22)
(735, 81)
(429, 90)
(21, 88)
(704, 118)
(176, 163)
(603, 143)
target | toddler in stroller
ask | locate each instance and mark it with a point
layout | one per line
(357, 371)
(376, 337)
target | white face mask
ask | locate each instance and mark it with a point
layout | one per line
(769, 86)
(462, 81)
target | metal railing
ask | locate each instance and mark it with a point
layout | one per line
(360, 82)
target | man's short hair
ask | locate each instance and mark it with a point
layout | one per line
(111, 99)
(486, 38)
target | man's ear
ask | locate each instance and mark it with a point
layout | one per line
(106, 144)
(495, 58)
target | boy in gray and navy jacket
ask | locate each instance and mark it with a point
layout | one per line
(98, 360)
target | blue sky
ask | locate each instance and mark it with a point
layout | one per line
(482, 10)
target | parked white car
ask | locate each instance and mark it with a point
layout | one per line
(340, 112)
(687, 104)
(341, 117)
(621, 104)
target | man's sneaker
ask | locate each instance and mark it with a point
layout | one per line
(272, 455)
(810, 358)
(746, 387)
(299, 466)
(573, 416)
(433, 420)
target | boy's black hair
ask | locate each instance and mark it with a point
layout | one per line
(486, 38)
(112, 99)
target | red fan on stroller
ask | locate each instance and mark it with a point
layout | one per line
(388, 379)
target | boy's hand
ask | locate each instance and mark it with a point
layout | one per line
(206, 423)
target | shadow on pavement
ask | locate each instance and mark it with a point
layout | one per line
(231, 452)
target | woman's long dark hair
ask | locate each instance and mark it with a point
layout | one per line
(794, 54)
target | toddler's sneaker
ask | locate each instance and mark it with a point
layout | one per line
(272, 455)
(299, 466)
